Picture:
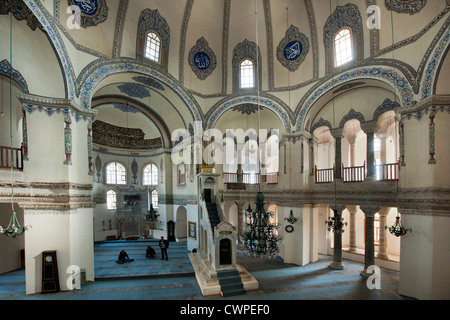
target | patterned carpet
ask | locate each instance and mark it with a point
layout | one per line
(154, 279)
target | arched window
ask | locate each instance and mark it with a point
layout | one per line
(153, 47)
(155, 199)
(343, 48)
(111, 200)
(150, 175)
(247, 74)
(116, 174)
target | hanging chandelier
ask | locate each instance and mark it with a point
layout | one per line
(14, 228)
(397, 229)
(260, 235)
(152, 216)
(291, 218)
(336, 223)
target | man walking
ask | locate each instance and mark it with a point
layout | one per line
(164, 245)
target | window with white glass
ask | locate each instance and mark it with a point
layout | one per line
(247, 74)
(343, 48)
(153, 46)
(155, 199)
(111, 200)
(116, 174)
(150, 175)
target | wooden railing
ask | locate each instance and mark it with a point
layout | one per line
(230, 177)
(324, 175)
(271, 178)
(384, 172)
(354, 174)
(388, 172)
(250, 178)
(11, 156)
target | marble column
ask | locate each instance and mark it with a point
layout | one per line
(369, 250)
(337, 135)
(370, 128)
(383, 212)
(337, 251)
(352, 210)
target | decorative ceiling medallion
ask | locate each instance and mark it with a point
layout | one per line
(149, 82)
(92, 12)
(292, 50)
(202, 59)
(134, 90)
(406, 6)
(246, 108)
(125, 108)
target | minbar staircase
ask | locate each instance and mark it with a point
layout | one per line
(230, 283)
(213, 214)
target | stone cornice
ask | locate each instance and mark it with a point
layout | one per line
(423, 201)
(435, 100)
(48, 196)
(56, 103)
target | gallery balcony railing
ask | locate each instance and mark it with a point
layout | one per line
(388, 172)
(11, 157)
(383, 172)
(324, 176)
(354, 174)
(250, 178)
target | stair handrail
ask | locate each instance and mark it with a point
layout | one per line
(207, 225)
(220, 209)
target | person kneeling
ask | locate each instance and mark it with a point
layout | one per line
(123, 257)
(150, 252)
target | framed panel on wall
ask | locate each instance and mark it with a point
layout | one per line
(192, 227)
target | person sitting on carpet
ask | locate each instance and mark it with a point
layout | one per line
(123, 257)
(150, 252)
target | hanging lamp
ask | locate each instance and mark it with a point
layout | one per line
(14, 228)
(397, 229)
(260, 235)
(335, 223)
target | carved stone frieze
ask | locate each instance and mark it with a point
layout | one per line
(48, 196)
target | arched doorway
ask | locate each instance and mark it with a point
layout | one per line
(181, 224)
(225, 252)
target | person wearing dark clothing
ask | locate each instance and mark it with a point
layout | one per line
(150, 252)
(164, 245)
(123, 257)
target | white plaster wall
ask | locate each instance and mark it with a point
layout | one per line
(45, 148)
(56, 227)
(33, 56)
(416, 258)
(81, 242)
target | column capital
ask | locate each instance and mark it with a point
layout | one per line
(240, 204)
(339, 208)
(384, 211)
(369, 211)
(352, 209)
(369, 127)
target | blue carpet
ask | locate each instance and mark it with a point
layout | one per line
(153, 279)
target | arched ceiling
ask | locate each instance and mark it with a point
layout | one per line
(111, 35)
(226, 23)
